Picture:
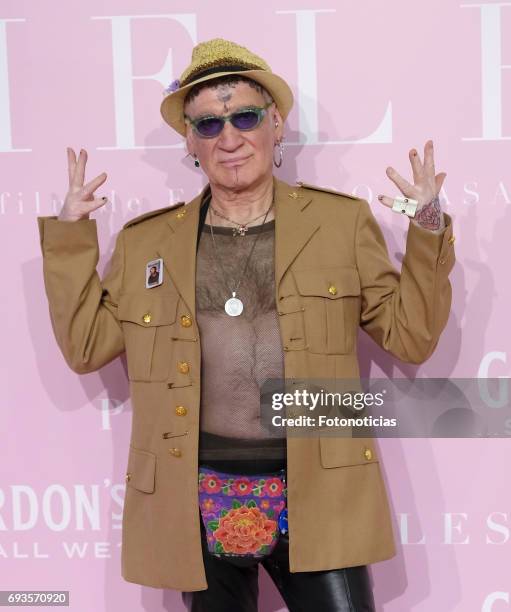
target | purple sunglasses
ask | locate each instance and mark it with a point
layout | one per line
(210, 126)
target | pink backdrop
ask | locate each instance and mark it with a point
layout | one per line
(371, 80)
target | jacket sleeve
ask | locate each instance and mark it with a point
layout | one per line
(405, 312)
(83, 308)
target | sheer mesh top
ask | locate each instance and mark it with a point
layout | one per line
(238, 352)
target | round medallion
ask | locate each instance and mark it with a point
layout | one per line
(233, 307)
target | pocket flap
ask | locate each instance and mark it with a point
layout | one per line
(141, 470)
(333, 282)
(337, 451)
(148, 309)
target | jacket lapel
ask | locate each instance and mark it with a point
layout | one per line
(296, 220)
(295, 223)
(178, 248)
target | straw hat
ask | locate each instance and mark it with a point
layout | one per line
(218, 57)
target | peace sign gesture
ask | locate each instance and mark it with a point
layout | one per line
(80, 200)
(425, 189)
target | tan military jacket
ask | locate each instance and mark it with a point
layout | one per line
(332, 275)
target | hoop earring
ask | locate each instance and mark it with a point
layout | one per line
(281, 154)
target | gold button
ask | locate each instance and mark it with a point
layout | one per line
(147, 317)
(332, 289)
(180, 214)
(293, 195)
(181, 410)
(368, 454)
(186, 320)
(441, 261)
(128, 476)
(175, 451)
(451, 240)
(183, 367)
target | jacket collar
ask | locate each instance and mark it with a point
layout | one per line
(296, 219)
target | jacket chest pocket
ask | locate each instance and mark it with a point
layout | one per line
(331, 300)
(147, 321)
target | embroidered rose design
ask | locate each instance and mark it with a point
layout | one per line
(242, 486)
(244, 530)
(211, 484)
(273, 487)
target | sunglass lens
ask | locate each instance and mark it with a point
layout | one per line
(245, 120)
(209, 127)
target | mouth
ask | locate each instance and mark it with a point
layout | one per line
(237, 161)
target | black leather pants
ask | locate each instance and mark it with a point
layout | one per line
(232, 588)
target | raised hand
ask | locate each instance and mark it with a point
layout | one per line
(425, 189)
(80, 200)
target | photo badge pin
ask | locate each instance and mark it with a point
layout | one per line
(154, 273)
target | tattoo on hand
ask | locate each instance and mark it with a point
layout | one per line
(429, 216)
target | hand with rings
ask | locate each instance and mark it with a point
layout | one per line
(420, 201)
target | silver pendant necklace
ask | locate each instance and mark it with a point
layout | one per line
(234, 306)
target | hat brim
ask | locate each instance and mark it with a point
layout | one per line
(172, 106)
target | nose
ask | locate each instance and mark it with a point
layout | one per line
(230, 138)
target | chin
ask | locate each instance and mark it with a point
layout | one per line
(239, 177)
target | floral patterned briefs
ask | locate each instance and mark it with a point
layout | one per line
(242, 515)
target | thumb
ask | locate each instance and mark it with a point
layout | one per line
(439, 180)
